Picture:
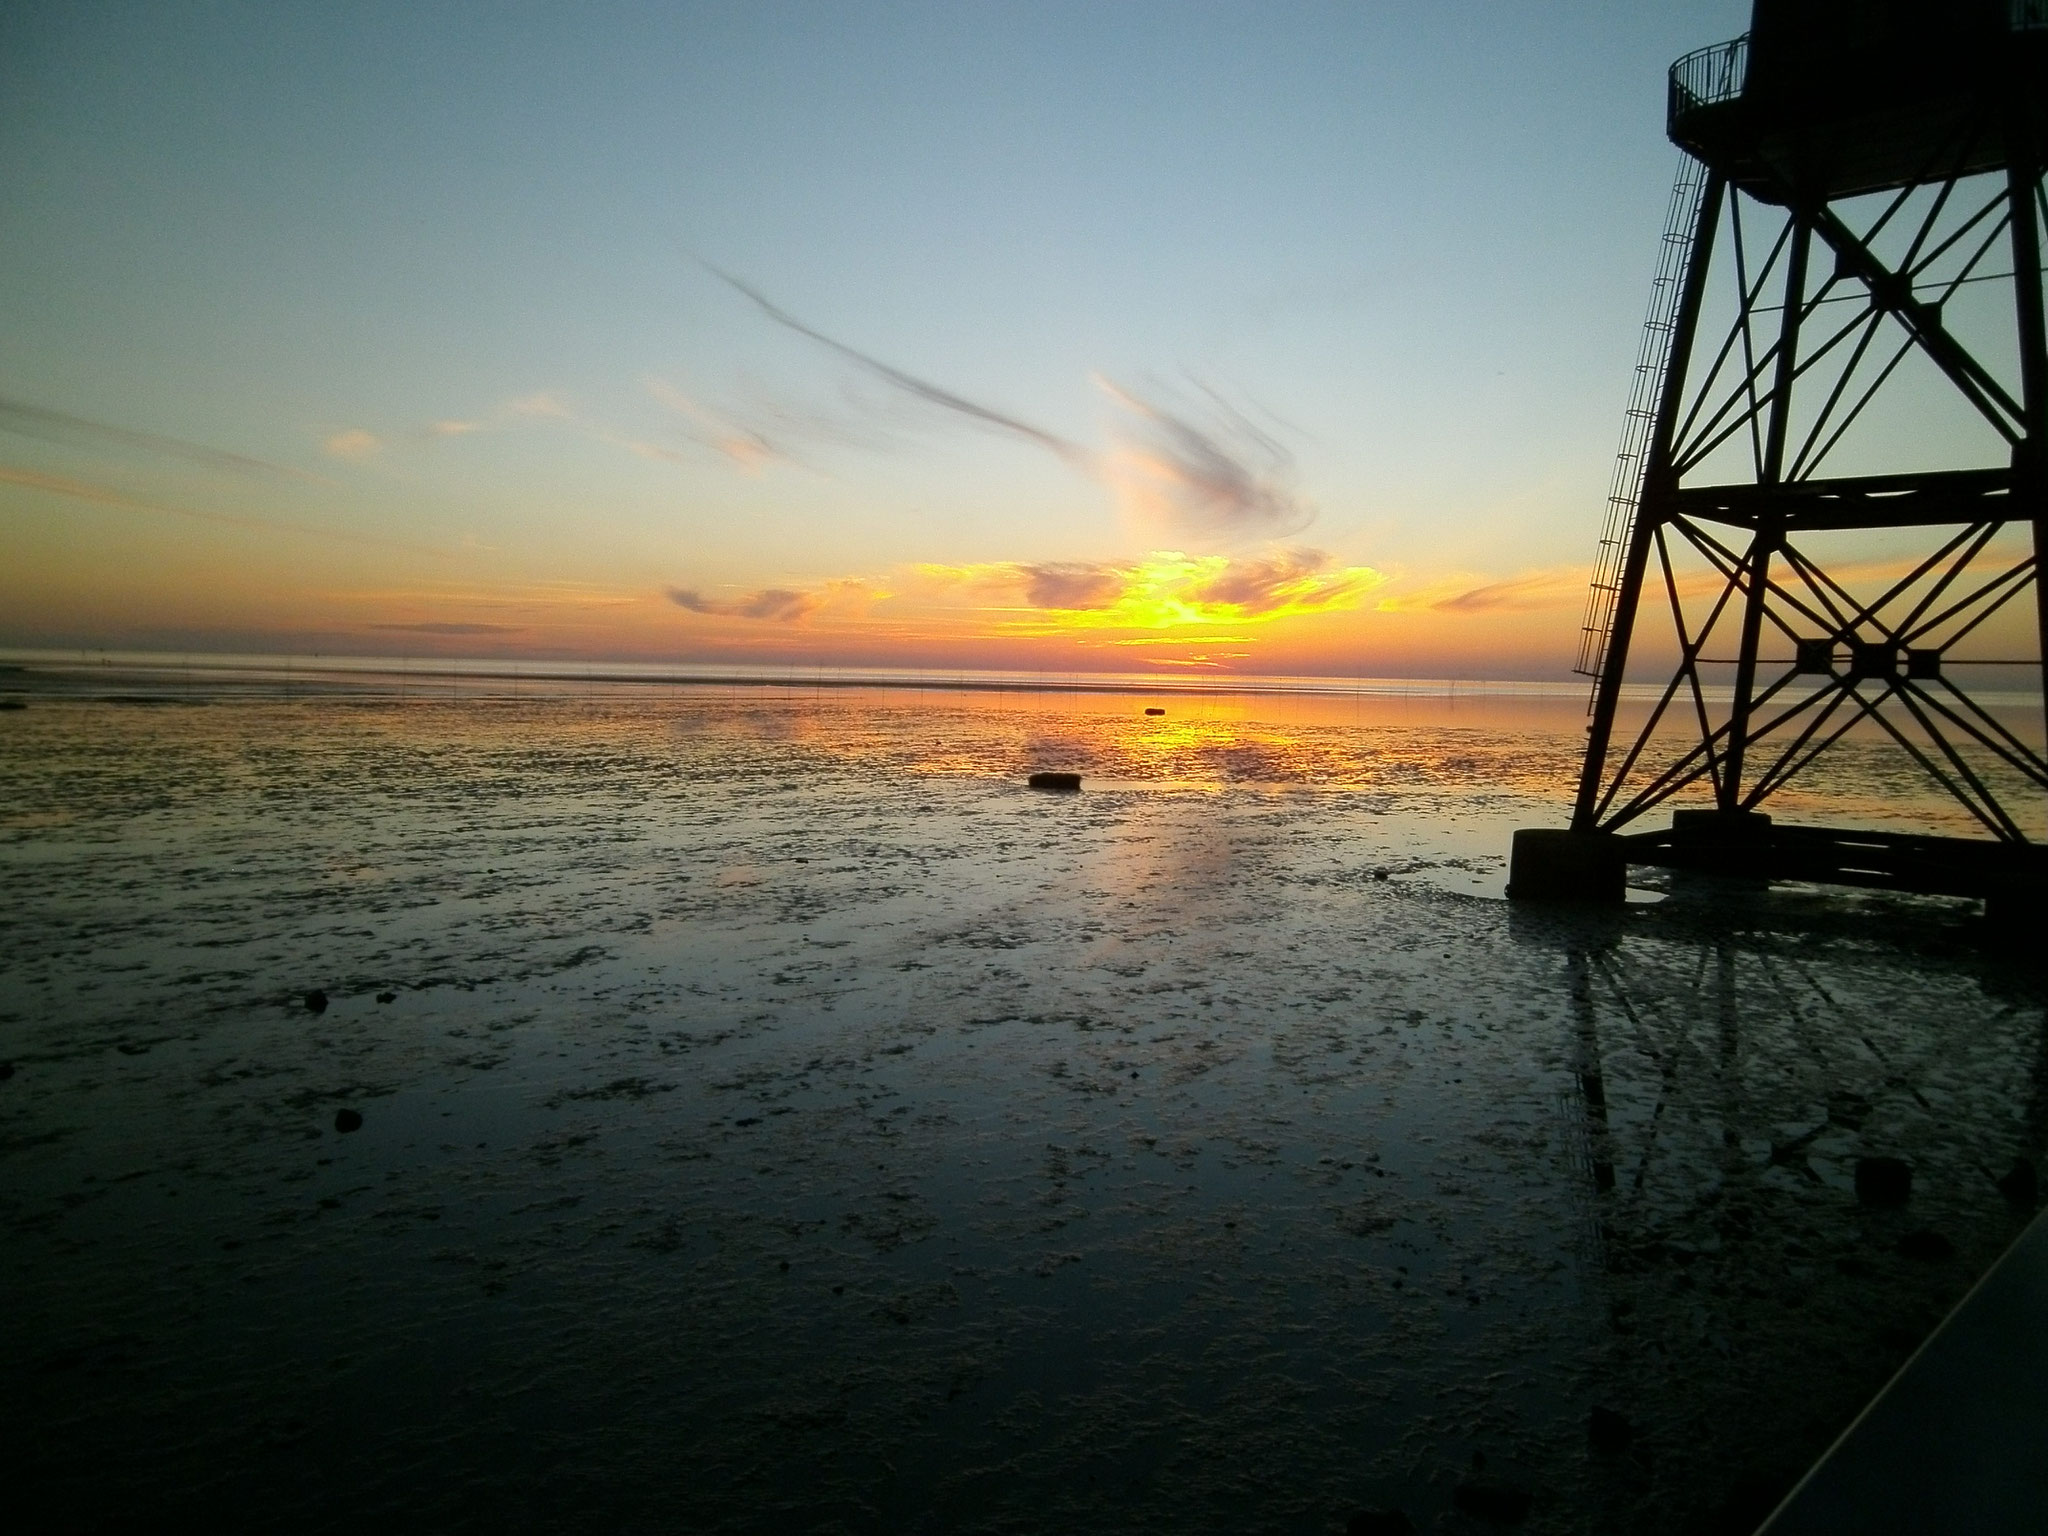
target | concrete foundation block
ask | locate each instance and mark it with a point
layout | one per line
(2016, 918)
(1551, 865)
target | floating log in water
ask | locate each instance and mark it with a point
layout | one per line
(1055, 781)
(1155, 711)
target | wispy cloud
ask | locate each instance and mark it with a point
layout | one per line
(1530, 590)
(747, 446)
(1541, 589)
(544, 402)
(104, 496)
(355, 443)
(1199, 470)
(703, 428)
(26, 420)
(1206, 470)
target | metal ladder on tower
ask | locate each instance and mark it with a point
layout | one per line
(1653, 356)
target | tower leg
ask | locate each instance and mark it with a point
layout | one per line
(1658, 483)
(2030, 456)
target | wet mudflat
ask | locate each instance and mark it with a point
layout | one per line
(774, 1116)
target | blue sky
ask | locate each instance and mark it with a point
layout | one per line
(452, 270)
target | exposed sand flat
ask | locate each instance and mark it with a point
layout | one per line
(784, 1119)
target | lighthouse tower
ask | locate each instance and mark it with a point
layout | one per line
(1831, 504)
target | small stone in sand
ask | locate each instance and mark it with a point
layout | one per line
(316, 1001)
(346, 1120)
(1883, 1180)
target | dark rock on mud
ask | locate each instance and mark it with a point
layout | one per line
(1883, 1180)
(316, 1001)
(1496, 1503)
(2021, 1184)
(1380, 1522)
(1609, 1431)
(1926, 1245)
(346, 1120)
(1055, 781)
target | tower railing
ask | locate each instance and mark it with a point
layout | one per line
(1717, 73)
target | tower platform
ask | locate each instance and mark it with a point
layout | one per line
(2010, 878)
(1827, 99)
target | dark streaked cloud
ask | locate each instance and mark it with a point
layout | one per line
(35, 421)
(1261, 585)
(779, 604)
(910, 384)
(1071, 585)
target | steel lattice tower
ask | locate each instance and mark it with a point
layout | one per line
(1853, 273)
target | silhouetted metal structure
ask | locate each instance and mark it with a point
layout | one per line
(1854, 248)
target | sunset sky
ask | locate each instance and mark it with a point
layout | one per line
(1181, 338)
